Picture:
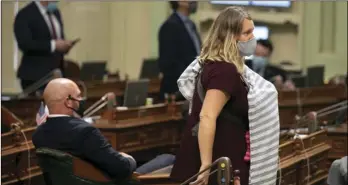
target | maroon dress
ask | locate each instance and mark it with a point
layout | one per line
(229, 137)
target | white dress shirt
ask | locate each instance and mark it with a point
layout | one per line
(43, 11)
(88, 120)
(57, 115)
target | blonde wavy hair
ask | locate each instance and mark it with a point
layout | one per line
(220, 43)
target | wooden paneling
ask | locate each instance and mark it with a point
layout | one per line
(328, 27)
(324, 30)
(338, 136)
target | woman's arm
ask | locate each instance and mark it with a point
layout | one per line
(213, 103)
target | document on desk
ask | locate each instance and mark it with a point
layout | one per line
(88, 120)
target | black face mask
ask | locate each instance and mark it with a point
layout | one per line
(81, 108)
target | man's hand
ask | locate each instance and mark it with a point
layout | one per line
(278, 82)
(125, 155)
(132, 161)
(63, 45)
(289, 86)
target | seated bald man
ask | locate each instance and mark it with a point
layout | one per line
(64, 131)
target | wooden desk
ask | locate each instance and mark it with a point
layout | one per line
(27, 108)
(139, 130)
(8, 119)
(135, 130)
(335, 92)
(311, 99)
(304, 100)
(17, 163)
(338, 141)
(293, 160)
(150, 128)
(293, 163)
(14, 152)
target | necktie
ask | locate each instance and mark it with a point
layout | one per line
(194, 36)
(54, 34)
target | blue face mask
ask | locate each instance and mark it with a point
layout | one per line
(52, 6)
(259, 63)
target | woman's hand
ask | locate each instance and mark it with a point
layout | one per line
(203, 178)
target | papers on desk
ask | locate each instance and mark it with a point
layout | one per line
(91, 120)
(293, 131)
(88, 120)
(121, 108)
(301, 136)
(298, 130)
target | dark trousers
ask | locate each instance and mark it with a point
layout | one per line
(157, 163)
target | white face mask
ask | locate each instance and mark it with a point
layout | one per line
(247, 48)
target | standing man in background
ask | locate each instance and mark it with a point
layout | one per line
(179, 44)
(38, 28)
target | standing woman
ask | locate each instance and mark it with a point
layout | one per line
(236, 101)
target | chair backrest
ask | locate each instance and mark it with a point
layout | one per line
(149, 69)
(315, 76)
(63, 168)
(71, 70)
(93, 70)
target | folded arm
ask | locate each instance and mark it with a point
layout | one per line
(97, 150)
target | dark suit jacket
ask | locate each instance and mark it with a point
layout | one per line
(34, 40)
(79, 138)
(176, 52)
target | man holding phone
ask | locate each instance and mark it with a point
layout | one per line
(39, 32)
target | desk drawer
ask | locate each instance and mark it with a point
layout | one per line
(16, 165)
(145, 137)
(317, 166)
(8, 167)
(288, 176)
(338, 146)
(154, 135)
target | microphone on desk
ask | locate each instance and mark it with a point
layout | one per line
(111, 100)
(108, 99)
(56, 73)
(311, 118)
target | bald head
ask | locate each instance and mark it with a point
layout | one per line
(57, 93)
